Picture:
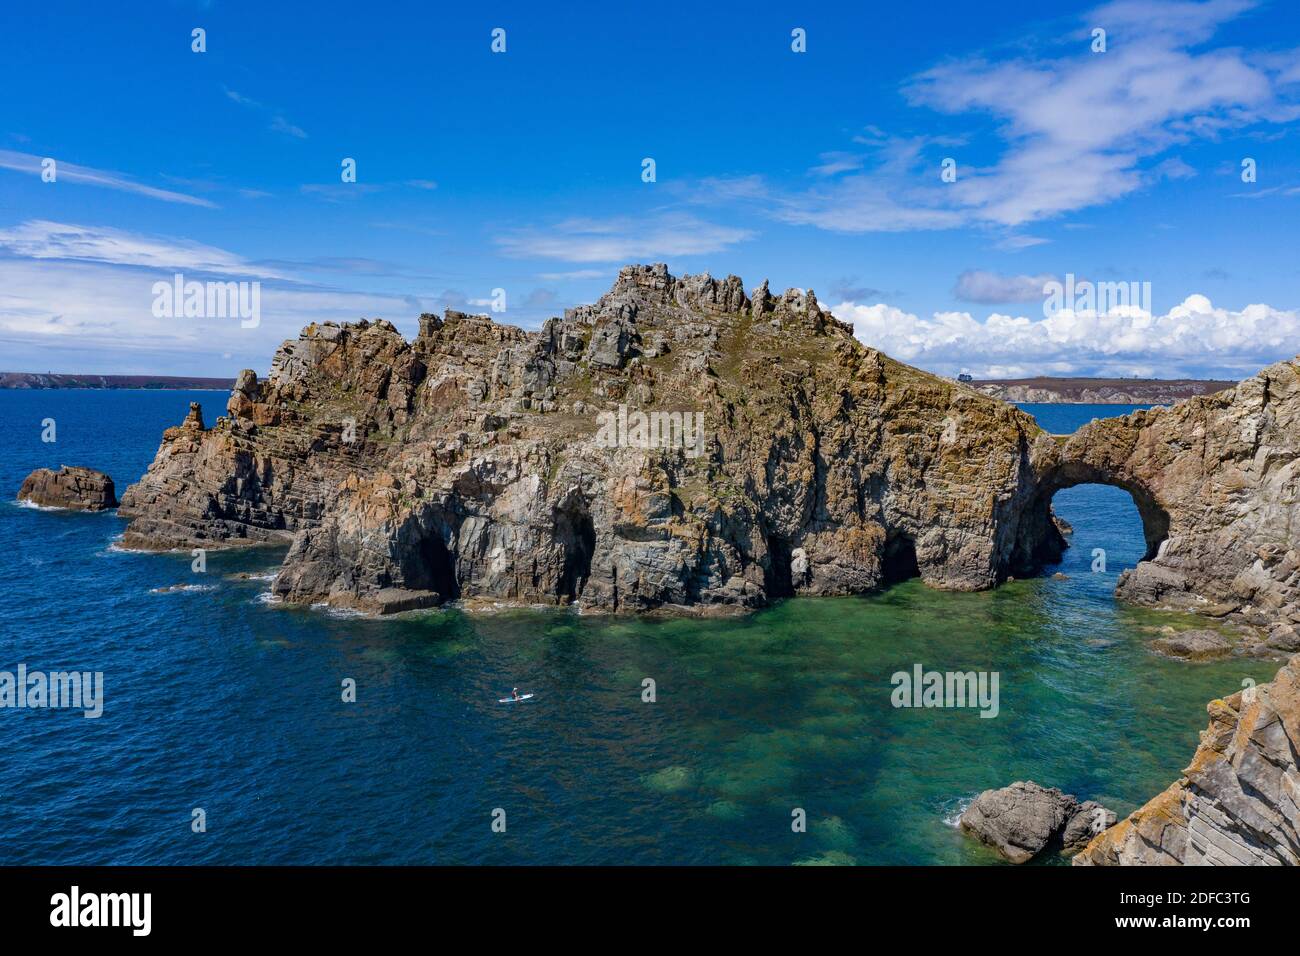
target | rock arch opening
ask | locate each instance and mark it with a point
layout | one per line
(1040, 539)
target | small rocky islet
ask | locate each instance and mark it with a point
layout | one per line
(472, 464)
(74, 488)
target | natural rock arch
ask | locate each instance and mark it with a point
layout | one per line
(1154, 515)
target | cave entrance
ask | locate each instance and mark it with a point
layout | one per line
(898, 563)
(437, 569)
(576, 535)
(780, 579)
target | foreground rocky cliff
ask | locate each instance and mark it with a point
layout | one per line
(785, 457)
(1237, 803)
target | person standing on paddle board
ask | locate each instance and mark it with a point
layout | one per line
(514, 693)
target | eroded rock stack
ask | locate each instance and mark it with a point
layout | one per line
(80, 489)
(471, 462)
(1237, 803)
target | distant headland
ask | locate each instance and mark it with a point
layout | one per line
(60, 380)
(1098, 391)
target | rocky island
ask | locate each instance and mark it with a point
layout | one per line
(471, 463)
(79, 489)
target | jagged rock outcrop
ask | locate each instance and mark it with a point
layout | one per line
(1237, 803)
(472, 462)
(80, 489)
(1024, 819)
(478, 466)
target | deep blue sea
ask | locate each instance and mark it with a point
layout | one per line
(217, 699)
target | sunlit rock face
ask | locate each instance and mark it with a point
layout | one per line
(677, 444)
(1217, 481)
(1237, 803)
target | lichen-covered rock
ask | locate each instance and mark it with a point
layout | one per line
(1024, 819)
(1215, 479)
(484, 461)
(481, 460)
(80, 489)
(1237, 803)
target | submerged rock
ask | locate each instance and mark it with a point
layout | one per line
(1237, 803)
(1024, 819)
(80, 489)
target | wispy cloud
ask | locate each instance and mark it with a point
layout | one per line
(991, 288)
(72, 173)
(1077, 129)
(42, 239)
(278, 123)
(622, 239)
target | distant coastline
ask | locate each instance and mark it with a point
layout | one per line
(1045, 389)
(61, 380)
(1098, 391)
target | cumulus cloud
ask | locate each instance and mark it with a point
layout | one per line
(1194, 339)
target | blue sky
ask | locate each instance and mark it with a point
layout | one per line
(522, 171)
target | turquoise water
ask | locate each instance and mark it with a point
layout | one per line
(217, 699)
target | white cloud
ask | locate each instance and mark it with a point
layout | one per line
(1078, 129)
(622, 240)
(42, 239)
(986, 288)
(278, 123)
(1192, 339)
(66, 172)
(51, 307)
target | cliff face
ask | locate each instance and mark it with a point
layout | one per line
(1238, 803)
(490, 462)
(484, 461)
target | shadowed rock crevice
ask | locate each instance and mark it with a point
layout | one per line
(899, 560)
(434, 568)
(576, 535)
(778, 577)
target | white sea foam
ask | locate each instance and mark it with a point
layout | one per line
(115, 548)
(955, 808)
(28, 503)
(183, 587)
